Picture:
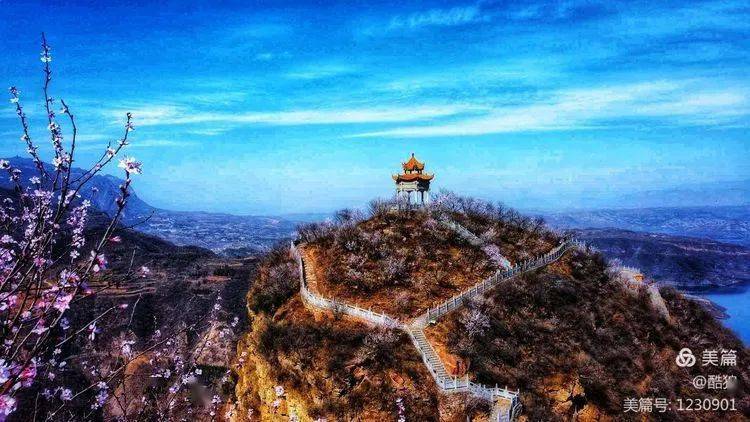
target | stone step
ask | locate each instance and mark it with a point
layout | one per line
(429, 354)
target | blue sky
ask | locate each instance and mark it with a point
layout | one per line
(284, 107)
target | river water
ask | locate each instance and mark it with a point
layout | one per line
(737, 304)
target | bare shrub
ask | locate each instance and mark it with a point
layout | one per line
(311, 232)
(277, 281)
(378, 348)
(394, 270)
(475, 322)
(348, 216)
(381, 207)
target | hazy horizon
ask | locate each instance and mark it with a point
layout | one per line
(293, 107)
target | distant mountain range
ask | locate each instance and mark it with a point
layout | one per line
(692, 248)
(669, 244)
(730, 224)
(685, 262)
(101, 190)
(221, 233)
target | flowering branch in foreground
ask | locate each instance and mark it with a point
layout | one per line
(46, 261)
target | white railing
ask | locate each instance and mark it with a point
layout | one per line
(462, 231)
(335, 305)
(430, 358)
(425, 355)
(459, 385)
(455, 384)
(459, 299)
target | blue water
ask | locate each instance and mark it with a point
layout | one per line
(738, 307)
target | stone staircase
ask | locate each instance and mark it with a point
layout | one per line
(502, 411)
(430, 357)
(505, 403)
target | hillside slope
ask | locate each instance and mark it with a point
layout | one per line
(181, 289)
(571, 336)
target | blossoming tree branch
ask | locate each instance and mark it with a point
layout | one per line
(46, 261)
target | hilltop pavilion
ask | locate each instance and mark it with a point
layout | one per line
(412, 180)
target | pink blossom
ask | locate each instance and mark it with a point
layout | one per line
(63, 302)
(130, 165)
(101, 398)
(144, 271)
(7, 405)
(68, 278)
(100, 262)
(126, 347)
(8, 302)
(61, 162)
(36, 240)
(28, 374)
(39, 328)
(93, 331)
(6, 371)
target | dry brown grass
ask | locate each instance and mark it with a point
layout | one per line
(431, 264)
(566, 334)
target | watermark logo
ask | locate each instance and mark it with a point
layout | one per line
(685, 358)
(699, 382)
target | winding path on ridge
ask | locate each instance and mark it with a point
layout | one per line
(505, 403)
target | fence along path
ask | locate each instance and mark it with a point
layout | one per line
(318, 301)
(505, 402)
(460, 299)
(462, 231)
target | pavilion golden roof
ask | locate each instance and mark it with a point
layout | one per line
(413, 164)
(410, 177)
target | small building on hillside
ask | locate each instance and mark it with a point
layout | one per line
(413, 186)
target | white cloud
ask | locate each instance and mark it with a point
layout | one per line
(675, 101)
(268, 56)
(161, 115)
(716, 15)
(135, 143)
(321, 71)
(208, 131)
(150, 143)
(264, 57)
(147, 115)
(97, 137)
(479, 76)
(439, 17)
